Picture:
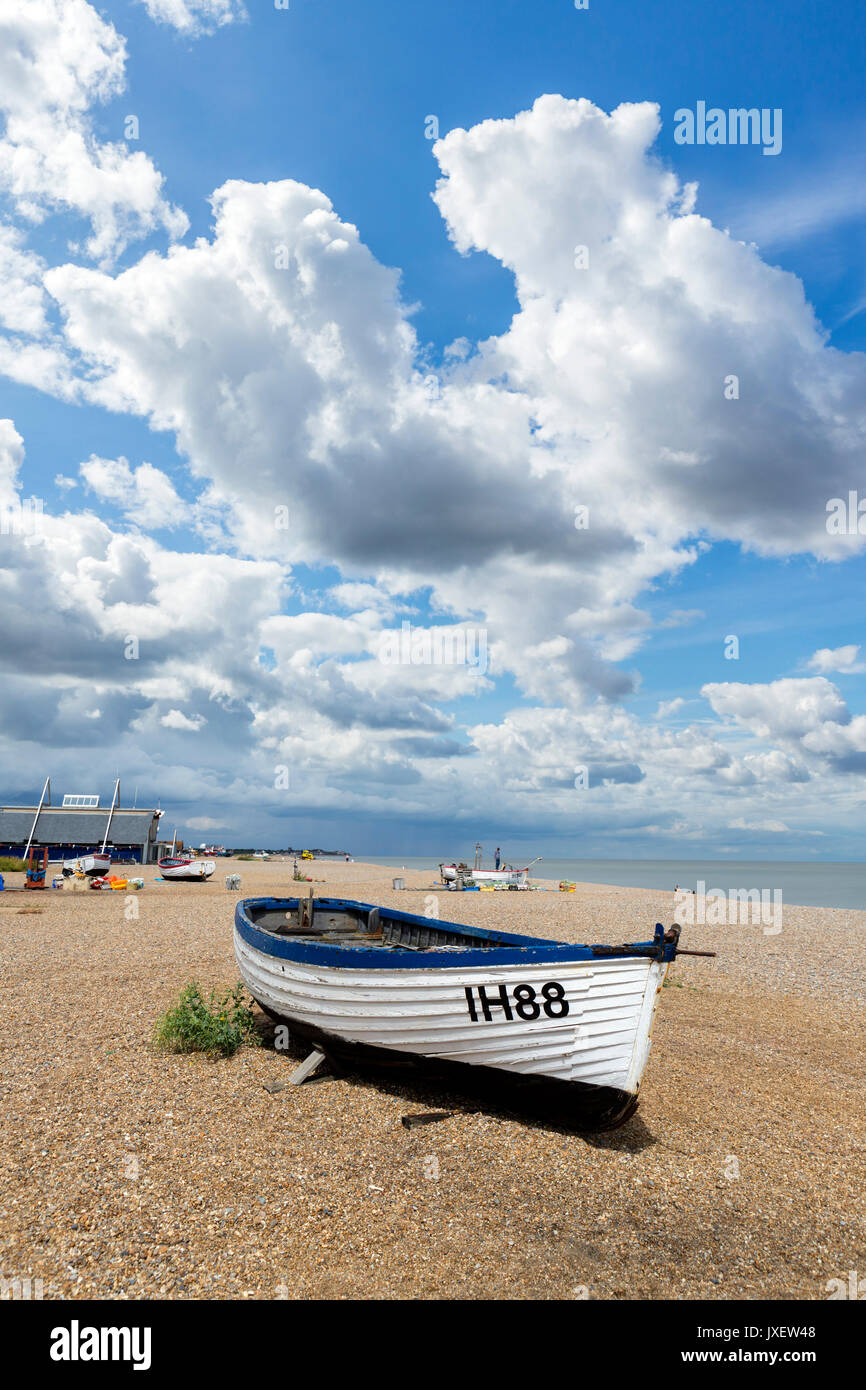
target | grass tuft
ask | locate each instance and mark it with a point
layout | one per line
(217, 1027)
(11, 866)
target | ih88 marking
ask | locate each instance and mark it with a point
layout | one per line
(527, 1006)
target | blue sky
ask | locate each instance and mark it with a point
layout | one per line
(335, 97)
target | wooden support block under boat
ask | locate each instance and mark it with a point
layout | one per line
(310, 1064)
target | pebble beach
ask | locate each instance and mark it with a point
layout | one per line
(126, 1173)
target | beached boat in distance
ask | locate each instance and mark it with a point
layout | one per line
(501, 876)
(518, 878)
(507, 877)
(185, 867)
(374, 983)
(94, 865)
(98, 863)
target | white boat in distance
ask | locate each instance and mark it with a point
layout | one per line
(376, 984)
(517, 878)
(95, 865)
(184, 866)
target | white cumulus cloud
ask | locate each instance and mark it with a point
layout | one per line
(193, 17)
(176, 719)
(844, 660)
(278, 354)
(58, 58)
(145, 494)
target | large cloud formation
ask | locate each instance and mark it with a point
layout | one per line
(533, 485)
(58, 58)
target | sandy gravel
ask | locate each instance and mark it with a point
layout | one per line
(124, 1173)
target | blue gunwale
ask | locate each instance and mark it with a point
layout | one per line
(517, 950)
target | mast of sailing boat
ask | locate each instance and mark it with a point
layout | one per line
(110, 814)
(36, 817)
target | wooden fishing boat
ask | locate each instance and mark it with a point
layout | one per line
(504, 877)
(376, 984)
(98, 863)
(95, 865)
(517, 878)
(185, 867)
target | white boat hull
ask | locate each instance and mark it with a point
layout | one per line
(196, 869)
(507, 876)
(520, 877)
(603, 1040)
(93, 865)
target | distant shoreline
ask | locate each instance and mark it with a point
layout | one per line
(838, 885)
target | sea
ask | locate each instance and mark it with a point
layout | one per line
(806, 885)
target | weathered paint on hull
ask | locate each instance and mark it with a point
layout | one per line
(598, 1050)
(195, 872)
(92, 865)
(584, 1106)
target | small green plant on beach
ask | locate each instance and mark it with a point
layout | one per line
(11, 866)
(217, 1027)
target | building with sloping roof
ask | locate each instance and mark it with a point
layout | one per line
(70, 830)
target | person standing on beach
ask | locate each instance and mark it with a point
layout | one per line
(496, 865)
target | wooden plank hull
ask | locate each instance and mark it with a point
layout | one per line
(93, 865)
(194, 870)
(581, 1025)
(582, 1105)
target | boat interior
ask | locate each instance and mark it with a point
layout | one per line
(318, 920)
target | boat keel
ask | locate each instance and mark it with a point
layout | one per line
(575, 1104)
